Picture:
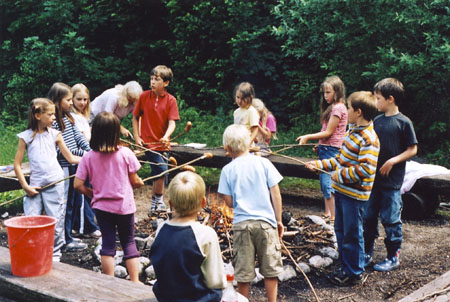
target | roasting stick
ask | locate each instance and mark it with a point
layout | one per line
(186, 130)
(293, 145)
(41, 189)
(300, 269)
(172, 162)
(143, 148)
(205, 155)
(300, 161)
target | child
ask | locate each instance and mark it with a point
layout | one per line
(267, 126)
(246, 114)
(111, 170)
(398, 144)
(61, 95)
(186, 254)
(156, 111)
(353, 175)
(334, 122)
(83, 216)
(81, 109)
(249, 184)
(39, 140)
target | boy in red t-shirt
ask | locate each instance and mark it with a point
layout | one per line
(156, 112)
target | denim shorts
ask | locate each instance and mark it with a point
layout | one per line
(326, 152)
(157, 158)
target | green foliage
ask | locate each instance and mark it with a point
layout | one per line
(365, 41)
(8, 142)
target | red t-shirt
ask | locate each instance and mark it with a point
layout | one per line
(155, 113)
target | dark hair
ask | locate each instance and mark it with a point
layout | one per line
(366, 101)
(162, 71)
(339, 96)
(247, 92)
(56, 93)
(105, 133)
(391, 87)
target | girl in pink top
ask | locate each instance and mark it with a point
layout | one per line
(267, 127)
(334, 122)
(112, 172)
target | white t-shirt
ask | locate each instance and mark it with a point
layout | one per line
(108, 101)
(82, 124)
(247, 117)
(41, 151)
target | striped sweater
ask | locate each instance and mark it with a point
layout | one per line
(74, 140)
(356, 164)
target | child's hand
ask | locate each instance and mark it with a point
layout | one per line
(386, 167)
(302, 139)
(310, 166)
(334, 177)
(316, 149)
(280, 229)
(138, 140)
(125, 132)
(165, 142)
(32, 191)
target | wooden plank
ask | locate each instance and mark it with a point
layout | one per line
(434, 286)
(9, 182)
(69, 283)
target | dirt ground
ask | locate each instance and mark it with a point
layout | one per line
(425, 256)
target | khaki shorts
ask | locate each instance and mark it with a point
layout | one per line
(258, 237)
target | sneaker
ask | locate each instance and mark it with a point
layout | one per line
(367, 260)
(96, 234)
(341, 278)
(161, 206)
(153, 205)
(387, 265)
(75, 246)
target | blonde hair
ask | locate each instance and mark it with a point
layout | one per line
(186, 192)
(79, 87)
(38, 105)
(365, 101)
(339, 96)
(263, 112)
(236, 137)
(131, 89)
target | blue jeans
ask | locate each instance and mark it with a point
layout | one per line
(155, 158)
(348, 226)
(388, 205)
(326, 152)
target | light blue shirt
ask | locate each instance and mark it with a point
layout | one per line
(248, 179)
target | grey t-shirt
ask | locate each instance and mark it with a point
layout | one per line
(396, 134)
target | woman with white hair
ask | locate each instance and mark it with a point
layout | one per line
(119, 100)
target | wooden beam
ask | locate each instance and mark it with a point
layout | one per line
(69, 283)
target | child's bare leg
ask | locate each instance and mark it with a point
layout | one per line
(133, 269)
(271, 285)
(244, 288)
(108, 265)
(329, 206)
(158, 186)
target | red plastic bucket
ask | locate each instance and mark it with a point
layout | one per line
(30, 240)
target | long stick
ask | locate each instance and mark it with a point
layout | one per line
(205, 155)
(143, 148)
(300, 269)
(300, 161)
(293, 145)
(42, 188)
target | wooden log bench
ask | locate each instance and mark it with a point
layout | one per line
(70, 284)
(436, 290)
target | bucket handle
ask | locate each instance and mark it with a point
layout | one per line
(20, 238)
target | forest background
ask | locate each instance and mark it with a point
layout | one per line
(285, 48)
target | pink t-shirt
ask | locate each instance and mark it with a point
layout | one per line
(108, 175)
(337, 137)
(271, 124)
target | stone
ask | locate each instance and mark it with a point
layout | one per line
(120, 272)
(150, 272)
(258, 277)
(320, 262)
(141, 243)
(316, 219)
(143, 263)
(305, 267)
(288, 273)
(118, 257)
(329, 252)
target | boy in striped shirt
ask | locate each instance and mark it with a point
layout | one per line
(353, 172)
